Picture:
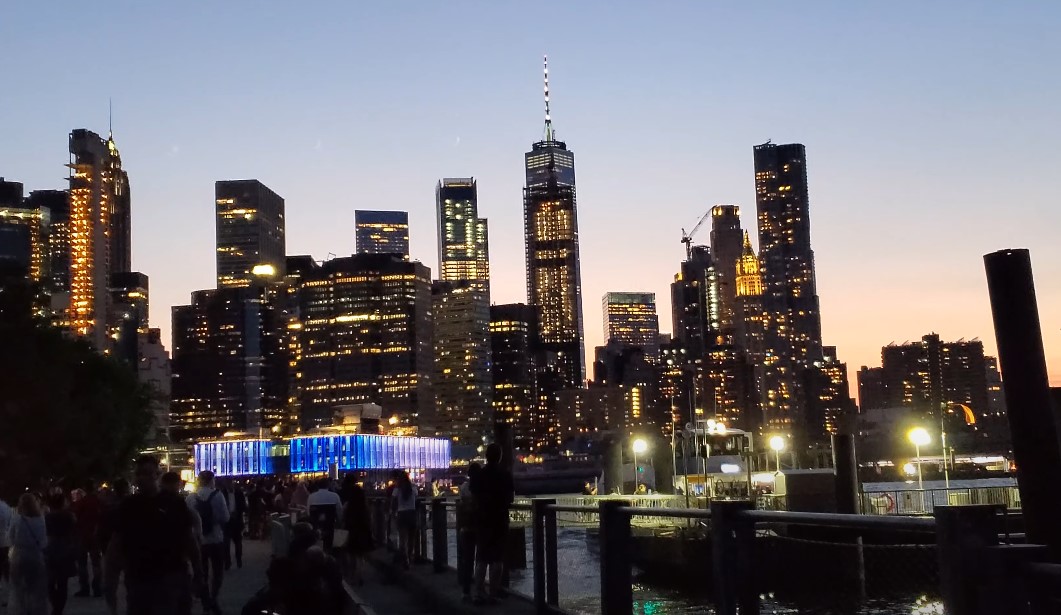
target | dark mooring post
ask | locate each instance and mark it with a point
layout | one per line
(1033, 421)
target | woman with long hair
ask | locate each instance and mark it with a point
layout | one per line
(29, 573)
(405, 509)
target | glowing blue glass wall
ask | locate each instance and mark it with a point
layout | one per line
(235, 458)
(368, 452)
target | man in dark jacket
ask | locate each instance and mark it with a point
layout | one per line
(493, 490)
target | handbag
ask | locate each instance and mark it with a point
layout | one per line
(340, 538)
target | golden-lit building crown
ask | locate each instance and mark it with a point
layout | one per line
(749, 276)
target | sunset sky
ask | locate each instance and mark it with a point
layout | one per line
(931, 129)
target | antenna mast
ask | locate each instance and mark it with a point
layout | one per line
(548, 118)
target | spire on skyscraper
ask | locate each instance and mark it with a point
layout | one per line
(548, 118)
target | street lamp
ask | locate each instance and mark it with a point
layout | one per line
(639, 446)
(919, 437)
(777, 444)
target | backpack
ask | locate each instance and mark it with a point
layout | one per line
(206, 511)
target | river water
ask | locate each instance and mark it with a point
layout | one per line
(578, 561)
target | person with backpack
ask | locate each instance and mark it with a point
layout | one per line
(210, 504)
(154, 545)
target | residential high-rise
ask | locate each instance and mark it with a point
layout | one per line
(631, 318)
(829, 401)
(229, 364)
(98, 232)
(726, 388)
(695, 303)
(366, 337)
(463, 253)
(156, 372)
(790, 299)
(382, 232)
(726, 250)
(551, 237)
(932, 375)
(462, 382)
(22, 232)
(870, 388)
(515, 344)
(54, 207)
(250, 233)
(129, 308)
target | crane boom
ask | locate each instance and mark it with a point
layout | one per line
(687, 238)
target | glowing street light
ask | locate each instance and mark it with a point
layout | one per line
(777, 444)
(640, 446)
(919, 437)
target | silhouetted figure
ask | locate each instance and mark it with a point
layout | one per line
(213, 513)
(88, 511)
(404, 506)
(29, 572)
(466, 524)
(494, 492)
(61, 553)
(359, 541)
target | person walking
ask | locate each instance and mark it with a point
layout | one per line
(359, 531)
(87, 510)
(325, 510)
(494, 492)
(60, 556)
(29, 573)
(154, 544)
(237, 506)
(404, 505)
(108, 518)
(213, 512)
(466, 532)
(6, 515)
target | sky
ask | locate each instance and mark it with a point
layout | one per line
(931, 132)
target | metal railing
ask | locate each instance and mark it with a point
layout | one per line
(924, 502)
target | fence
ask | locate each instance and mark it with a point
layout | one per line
(924, 501)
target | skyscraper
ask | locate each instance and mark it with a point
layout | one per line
(870, 388)
(790, 299)
(695, 304)
(463, 253)
(828, 395)
(515, 344)
(21, 233)
(54, 206)
(631, 318)
(98, 233)
(462, 382)
(726, 250)
(382, 232)
(551, 238)
(228, 365)
(933, 375)
(366, 337)
(250, 233)
(129, 306)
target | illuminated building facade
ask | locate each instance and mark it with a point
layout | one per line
(726, 388)
(695, 303)
(463, 248)
(792, 325)
(365, 337)
(120, 233)
(631, 318)
(250, 232)
(626, 368)
(462, 383)
(828, 399)
(749, 332)
(129, 313)
(318, 453)
(229, 363)
(726, 250)
(932, 374)
(94, 186)
(22, 232)
(554, 281)
(54, 207)
(515, 348)
(675, 384)
(382, 232)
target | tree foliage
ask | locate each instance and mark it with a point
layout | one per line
(67, 412)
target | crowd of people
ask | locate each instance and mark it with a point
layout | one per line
(172, 544)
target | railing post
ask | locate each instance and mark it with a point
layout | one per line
(421, 543)
(552, 588)
(439, 535)
(617, 596)
(732, 558)
(538, 553)
(962, 534)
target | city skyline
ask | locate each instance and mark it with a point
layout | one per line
(878, 245)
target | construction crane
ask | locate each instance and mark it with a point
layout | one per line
(687, 238)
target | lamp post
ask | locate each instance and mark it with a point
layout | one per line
(919, 437)
(639, 446)
(777, 444)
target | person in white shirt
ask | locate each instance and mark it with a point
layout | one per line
(325, 510)
(212, 509)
